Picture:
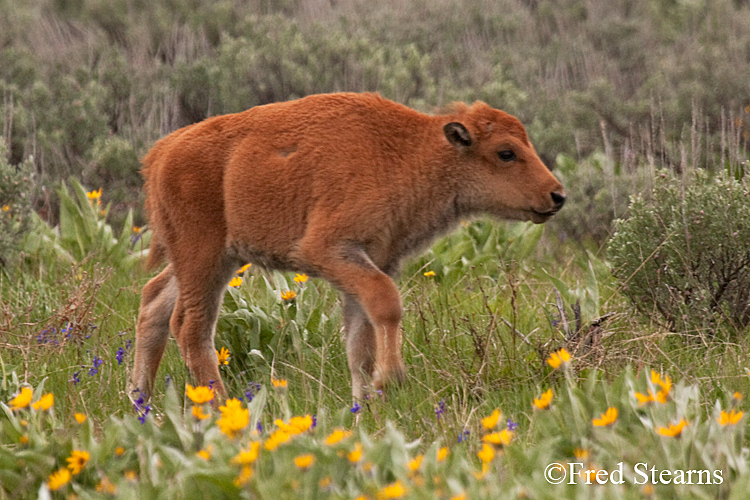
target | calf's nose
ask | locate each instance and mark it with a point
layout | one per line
(558, 199)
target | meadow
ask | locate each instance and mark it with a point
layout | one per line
(617, 345)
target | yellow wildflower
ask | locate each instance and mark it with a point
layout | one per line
(296, 425)
(502, 438)
(120, 451)
(304, 461)
(590, 474)
(644, 398)
(288, 295)
(137, 229)
(94, 195)
(233, 418)
(275, 439)
(279, 383)
(490, 422)
(200, 394)
(244, 476)
(244, 268)
(58, 479)
(442, 454)
(665, 384)
(130, 475)
(324, 483)
(730, 418)
(607, 418)
(249, 455)
(106, 486)
(355, 455)
(561, 357)
(544, 400)
(80, 418)
(415, 463)
(77, 461)
(430, 274)
(223, 356)
(45, 402)
(301, 278)
(336, 436)
(486, 454)
(673, 430)
(461, 496)
(198, 413)
(235, 282)
(6, 208)
(22, 400)
(24, 439)
(737, 396)
(205, 453)
(393, 490)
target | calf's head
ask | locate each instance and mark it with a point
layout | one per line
(500, 171)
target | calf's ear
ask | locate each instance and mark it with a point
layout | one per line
(457, 135)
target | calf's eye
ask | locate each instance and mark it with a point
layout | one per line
(507, 155)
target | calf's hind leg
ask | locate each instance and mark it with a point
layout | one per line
(360, 345)
(152, 330)
(202, 288)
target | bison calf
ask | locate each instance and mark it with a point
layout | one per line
(338, 186)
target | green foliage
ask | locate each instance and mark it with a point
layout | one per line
(178, 455)
(257, 323)
(83, 233)
(578, 305)
(479, 244)
(15, 205)
(684, 255)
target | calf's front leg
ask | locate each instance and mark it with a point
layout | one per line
(372, 317)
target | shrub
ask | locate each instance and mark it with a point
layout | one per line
(684, 256)
(15, 205)
(598, 193)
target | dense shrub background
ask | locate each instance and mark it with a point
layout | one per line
(88, 85)
(684, 256)
(15, 206)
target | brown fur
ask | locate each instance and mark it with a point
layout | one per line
(339, 186)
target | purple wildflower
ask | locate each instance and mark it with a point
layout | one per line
(440, 409)
(142, 410)
(95, 368)
(463, 436)
(75, 378)
(512, 426)
(259, 427)
(120, 354)
(252, 390)
(355, 409)
(143, 413)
